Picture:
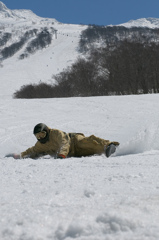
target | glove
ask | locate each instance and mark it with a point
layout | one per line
(14, 155)
(61, 156)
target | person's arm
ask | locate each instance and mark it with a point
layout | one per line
(33, 152)
(14, 155)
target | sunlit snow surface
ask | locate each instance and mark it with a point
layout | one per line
(82, 198)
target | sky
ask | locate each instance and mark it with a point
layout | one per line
(99, 12)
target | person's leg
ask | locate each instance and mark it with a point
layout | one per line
(86, 146)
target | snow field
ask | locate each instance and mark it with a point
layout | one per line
(93, 198)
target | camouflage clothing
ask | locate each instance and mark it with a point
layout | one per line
(67, 145)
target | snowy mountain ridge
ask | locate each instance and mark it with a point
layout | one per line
(142, 22)
(7, 14)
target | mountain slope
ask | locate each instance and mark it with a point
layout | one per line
(46, 62)
(40, 66)
(61, 53)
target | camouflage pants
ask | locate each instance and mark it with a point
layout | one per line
(87, 146)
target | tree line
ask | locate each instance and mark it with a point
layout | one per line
(124, 68)
(109, 35)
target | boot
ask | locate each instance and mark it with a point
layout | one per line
(110, 149)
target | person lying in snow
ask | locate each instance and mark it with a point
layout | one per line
(61, 145)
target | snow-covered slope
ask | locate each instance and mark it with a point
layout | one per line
(62, 52)
(89, 198)
(41, 66)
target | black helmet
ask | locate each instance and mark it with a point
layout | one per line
(40, 127)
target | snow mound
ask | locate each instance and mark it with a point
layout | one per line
(145, 140)
(105, 225)
(112, 224)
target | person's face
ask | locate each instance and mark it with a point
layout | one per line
(40, 135)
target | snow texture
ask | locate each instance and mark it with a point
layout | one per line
(82, 198)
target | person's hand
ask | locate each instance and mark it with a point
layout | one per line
(61, 156)
(14, 155)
